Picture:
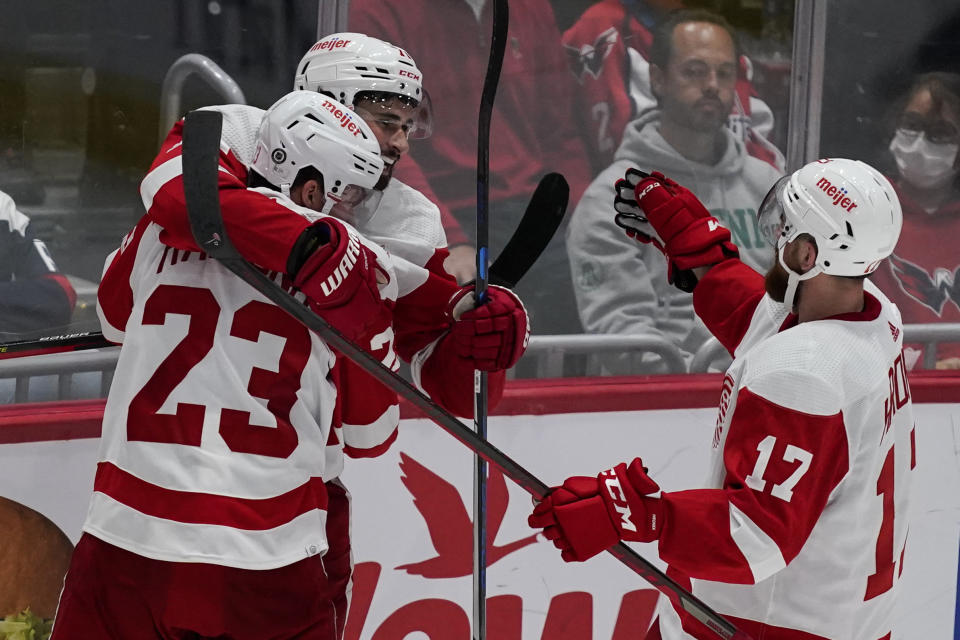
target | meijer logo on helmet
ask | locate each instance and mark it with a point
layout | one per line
(839, 194)
(336, 43)
(346, 121)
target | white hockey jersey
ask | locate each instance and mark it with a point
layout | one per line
(217, 423)
(801, 533)
(406, 223)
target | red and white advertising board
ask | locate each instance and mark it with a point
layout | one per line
(412, 528)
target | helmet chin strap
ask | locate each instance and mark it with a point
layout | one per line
(794, 279)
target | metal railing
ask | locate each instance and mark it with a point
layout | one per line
(86, 374)
(58, 376)
(549, 354)
(171, 93)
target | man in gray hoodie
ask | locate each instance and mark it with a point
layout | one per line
(620, 284)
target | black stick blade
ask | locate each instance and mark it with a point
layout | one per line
(541, 219)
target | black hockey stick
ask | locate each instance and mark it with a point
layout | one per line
(77, 341)
(201, 142)
(498, 44)
(540, 221)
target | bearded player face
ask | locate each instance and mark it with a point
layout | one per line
(775, 281)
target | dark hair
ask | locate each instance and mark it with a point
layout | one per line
(944, 88)
(255, 180)
(661, 48)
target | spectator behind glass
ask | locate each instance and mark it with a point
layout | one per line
(923, 275)
(34, 295)
(609, 51)
(621, 285)
(531, 129)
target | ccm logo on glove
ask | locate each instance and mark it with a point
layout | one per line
(650, 187)
(618, 500)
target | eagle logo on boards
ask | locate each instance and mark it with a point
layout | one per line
(930, 290)
(449, 524)
(589, 57)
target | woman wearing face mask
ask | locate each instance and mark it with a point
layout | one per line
(923, 275)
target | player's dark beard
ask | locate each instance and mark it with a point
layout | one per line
(385, 178)
(775, 282)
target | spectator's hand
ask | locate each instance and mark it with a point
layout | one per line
(691, 237)
(948, 363)
(340, 280)
(585, 516)
(493, 335)
(462, 263)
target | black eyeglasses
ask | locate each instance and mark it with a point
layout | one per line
(936, 130)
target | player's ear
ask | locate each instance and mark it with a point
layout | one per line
(312, 195)
(807, 253)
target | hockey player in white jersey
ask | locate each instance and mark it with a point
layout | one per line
(382, 83)
(208, 517)
(799, 533)
(434, 328)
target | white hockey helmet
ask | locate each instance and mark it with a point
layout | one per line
(304, 129)
(847, 206)
(345, 64)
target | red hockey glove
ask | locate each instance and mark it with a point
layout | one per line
(339, 279)
(690, 236)
(630, 217)
(585, 516)
(493, 335)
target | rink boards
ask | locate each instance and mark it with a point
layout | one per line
(412, 529)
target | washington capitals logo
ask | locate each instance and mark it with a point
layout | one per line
(932, 291)
(589, 57)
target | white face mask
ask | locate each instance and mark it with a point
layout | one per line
(924, 164)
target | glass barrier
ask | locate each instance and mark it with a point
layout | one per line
(898, 108)
(587, 89)
(81, 99)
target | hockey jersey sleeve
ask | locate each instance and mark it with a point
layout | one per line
(780, 466)
(263, 231)
(367, 412)
(115, 293)
(731, 300)
(33, 292)
(423, 340)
